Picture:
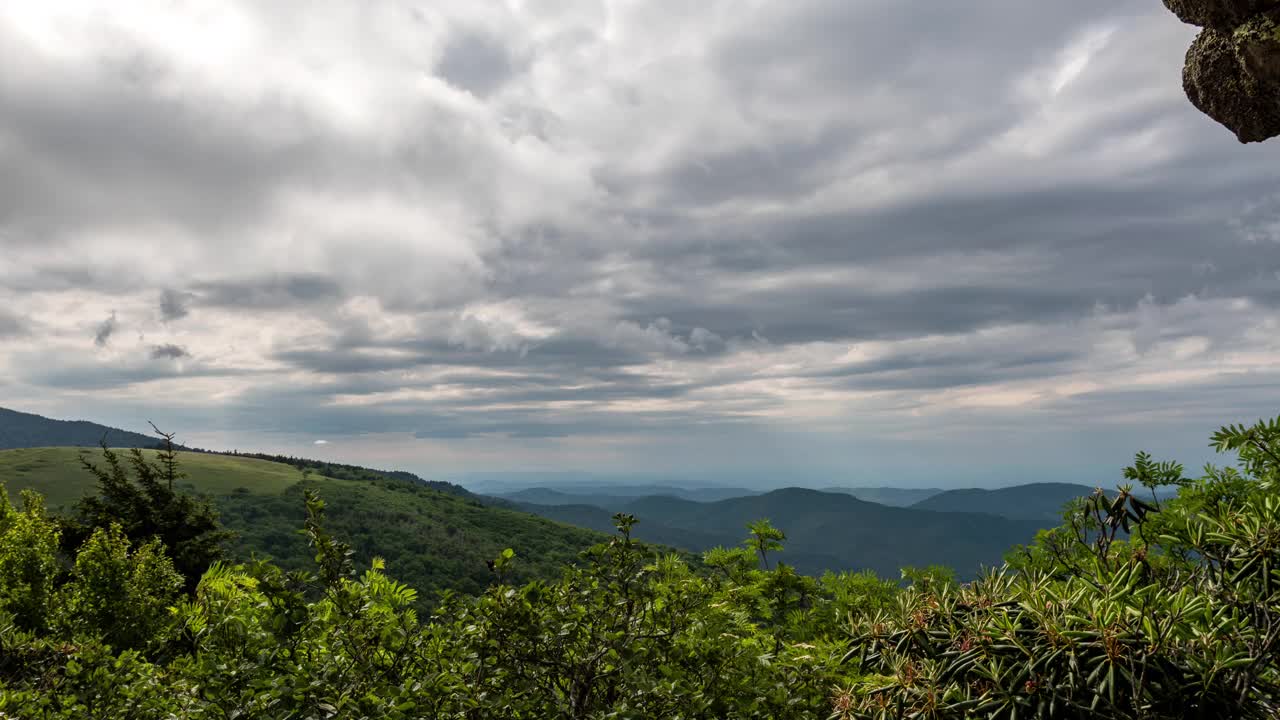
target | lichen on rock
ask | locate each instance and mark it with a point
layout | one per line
(1217, 82)
(1257, 44)
(1222, 15)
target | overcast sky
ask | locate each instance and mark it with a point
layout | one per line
(812, 241)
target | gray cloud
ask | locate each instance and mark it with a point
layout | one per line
(11, 326)
(105, 330)
(933, 369)
(272, 292)
(82, 376)
(169, 351)
(476, 62)
(173, 304)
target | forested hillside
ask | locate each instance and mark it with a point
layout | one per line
(1129, 609)
(435, 540)
(344, 471)
(25, 430)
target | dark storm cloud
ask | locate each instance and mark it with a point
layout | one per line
(105, 330)
(169, 351)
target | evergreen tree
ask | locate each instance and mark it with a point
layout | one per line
(138, 495)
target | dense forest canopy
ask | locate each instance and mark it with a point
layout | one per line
(1138, 606)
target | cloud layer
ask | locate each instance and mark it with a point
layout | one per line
(866, 241)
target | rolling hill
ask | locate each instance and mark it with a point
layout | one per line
(25, 430)
(1038, 501)
(55, 472)
(431, 539)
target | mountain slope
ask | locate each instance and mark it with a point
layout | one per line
(56, 473)
(432, 540)
(25, 430)
(1039, 501)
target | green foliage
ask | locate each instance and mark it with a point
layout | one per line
(119, 594)
(436, 541)
(1129, 610)
(341, 471)
(629, 632)
(1258, 447)
(765, 538)
(146, 506)
(29, 565)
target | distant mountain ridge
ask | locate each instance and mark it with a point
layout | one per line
(825, 530)
(576, 482)
(884, 495)
(434, 540)
(617, 497)
(1032, 501)
(27, 430)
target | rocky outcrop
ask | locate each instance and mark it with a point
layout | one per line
(1222, 15)
(1232, 72)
